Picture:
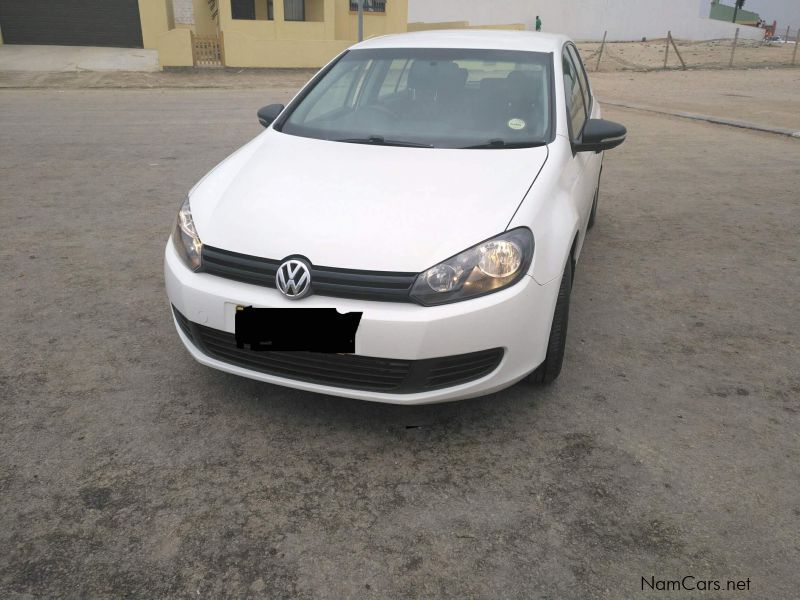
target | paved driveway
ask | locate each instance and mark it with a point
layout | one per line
(23, 57)
(668, 447)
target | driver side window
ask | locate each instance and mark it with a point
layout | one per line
(576, 105)
(581, 70)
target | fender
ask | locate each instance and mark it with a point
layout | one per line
(551, 212)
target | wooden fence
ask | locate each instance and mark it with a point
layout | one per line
(208, 50)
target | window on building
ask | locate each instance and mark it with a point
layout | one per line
(304, 10)
(373, 6)
(294, 10)
(252, 10)
(243, 9)
(264, 10)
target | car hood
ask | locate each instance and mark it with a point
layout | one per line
(360, 206)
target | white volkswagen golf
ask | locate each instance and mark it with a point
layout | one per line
(405, 230)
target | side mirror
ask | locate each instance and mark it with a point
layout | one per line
(599, 135)
(267, 114)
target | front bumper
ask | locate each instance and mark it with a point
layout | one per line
(517, 320)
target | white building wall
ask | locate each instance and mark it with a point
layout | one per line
(585, 20)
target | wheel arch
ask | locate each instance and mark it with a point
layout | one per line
(572, 256)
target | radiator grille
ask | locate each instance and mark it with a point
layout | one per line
(349, 371)
(325, 281)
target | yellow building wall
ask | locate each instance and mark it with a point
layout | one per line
(261, 10)
(394, 20)
(331, 28)
(156, 18)
(279, 43)
(419, 26)
(175, 48)
(204, 24)
(243, 51)
(315, 10)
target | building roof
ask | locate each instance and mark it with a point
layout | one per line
(489, 39)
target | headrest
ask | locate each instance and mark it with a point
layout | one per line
(520, 78)
(493, 84)
(451, 76)
(522, 86)
(423, 75)
(432, 74)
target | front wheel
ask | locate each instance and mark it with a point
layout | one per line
(593, 214)
(551, 367)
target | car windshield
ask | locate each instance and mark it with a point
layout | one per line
(437, 98)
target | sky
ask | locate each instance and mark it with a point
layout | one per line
(785, 12)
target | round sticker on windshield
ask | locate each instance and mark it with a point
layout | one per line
(516, 124)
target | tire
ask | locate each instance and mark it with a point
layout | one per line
(551, 367)
(593, 214)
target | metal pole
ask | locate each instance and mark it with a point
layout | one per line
(599, 56)
(796, 43)
(675, 47)
(733, 48)
(666, 50)
(786, 39)
(360, 20)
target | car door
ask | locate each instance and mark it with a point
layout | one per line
(594, 161)
(581, 170)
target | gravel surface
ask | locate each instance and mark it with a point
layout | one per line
(668, 447)
(769, 97)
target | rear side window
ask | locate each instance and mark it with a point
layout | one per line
(576, 105)
(576, 59)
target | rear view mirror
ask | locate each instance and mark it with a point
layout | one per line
(267, 114)
(599, 135)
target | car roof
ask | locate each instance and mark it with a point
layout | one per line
(489, 39)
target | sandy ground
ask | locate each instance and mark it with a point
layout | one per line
(668, 447)
(649, 55)
(764, 96)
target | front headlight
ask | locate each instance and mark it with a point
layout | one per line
(488, 267)
(185, 238)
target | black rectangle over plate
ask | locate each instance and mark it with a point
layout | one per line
(314, 329)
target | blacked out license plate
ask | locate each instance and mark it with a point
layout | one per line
(312, 329)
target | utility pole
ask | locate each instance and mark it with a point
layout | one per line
(602, 46)
(733, 48)
(737, 5)
(360, 20)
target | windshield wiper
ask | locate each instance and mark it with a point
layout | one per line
(498, 143)
(379, 140)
